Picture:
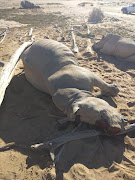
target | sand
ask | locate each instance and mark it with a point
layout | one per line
(24, 111)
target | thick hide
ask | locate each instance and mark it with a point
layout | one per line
(52, 68)
(117, 46)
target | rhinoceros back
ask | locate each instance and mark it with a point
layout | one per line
(43, 59)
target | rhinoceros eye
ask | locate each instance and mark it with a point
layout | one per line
(124, 120)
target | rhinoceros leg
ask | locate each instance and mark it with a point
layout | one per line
(107, 89)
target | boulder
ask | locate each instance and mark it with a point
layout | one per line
(28, 5)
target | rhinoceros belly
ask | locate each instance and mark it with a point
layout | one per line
(43, 59)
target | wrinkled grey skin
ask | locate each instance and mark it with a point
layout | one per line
(52, 68)
(117, 46)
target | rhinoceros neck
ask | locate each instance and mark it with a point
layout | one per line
(66, 98)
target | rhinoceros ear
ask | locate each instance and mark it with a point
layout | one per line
(74, 113)
(103, 114)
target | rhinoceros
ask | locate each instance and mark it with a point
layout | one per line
(52, 68)
(117, 46)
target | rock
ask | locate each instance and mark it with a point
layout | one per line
(28, 5)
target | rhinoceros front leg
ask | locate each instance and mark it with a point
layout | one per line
(107, 89)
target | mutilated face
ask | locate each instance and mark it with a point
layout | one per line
(97, 111)
(99, 44)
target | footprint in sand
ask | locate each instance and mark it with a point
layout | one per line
(2, 64)
(122, 95)
(108, 70)
(105, 66)
(124, 112)
(133, 84)
(123, 86)
(131, 104)
(131, 73)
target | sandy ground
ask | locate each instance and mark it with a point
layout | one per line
(24, 112)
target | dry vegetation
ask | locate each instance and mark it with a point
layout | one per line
(96, 16)
(34, 18)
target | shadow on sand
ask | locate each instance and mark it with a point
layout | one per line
(24, 120)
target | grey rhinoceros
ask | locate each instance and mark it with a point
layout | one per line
(52, 68)
(118, 46)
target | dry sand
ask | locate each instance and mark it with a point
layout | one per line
(24, 112)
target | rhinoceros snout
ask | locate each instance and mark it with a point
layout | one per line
(117, 128)
(114, 128)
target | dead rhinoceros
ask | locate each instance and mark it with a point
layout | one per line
(51, 67)
(28, 5)
(117, 46)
